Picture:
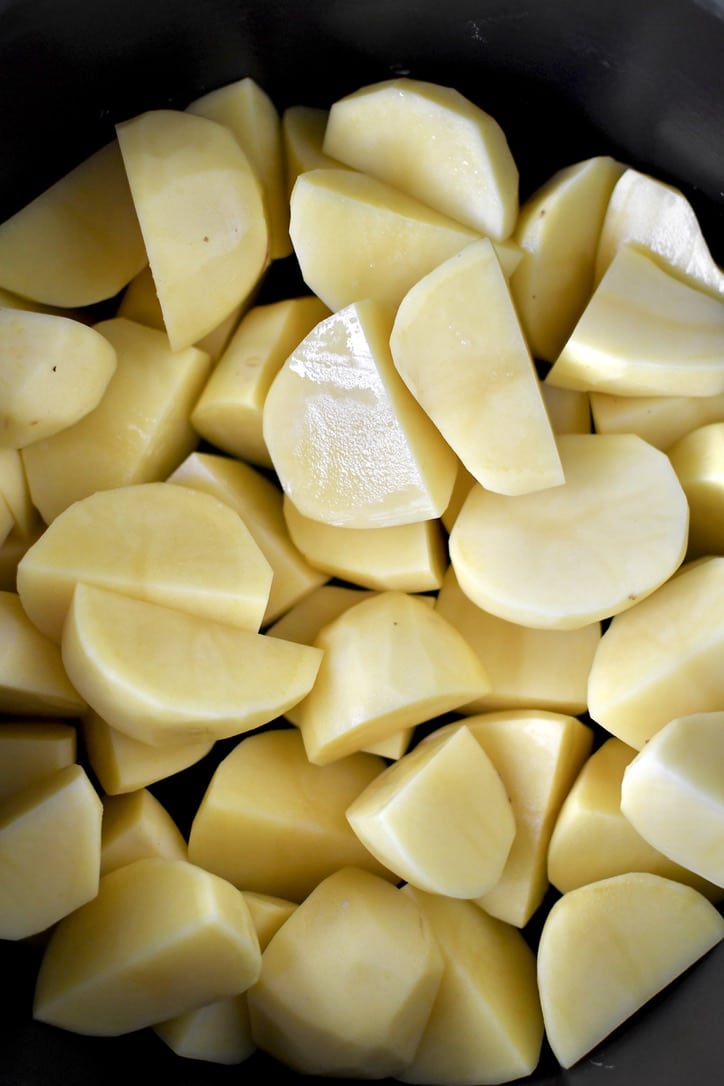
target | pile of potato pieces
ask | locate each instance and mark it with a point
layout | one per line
(423, 525)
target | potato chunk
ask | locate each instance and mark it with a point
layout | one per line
(546, 559)
(609, 947)
(50, 851)
(271, 822)
(698, 460)
(53, 371)
(660, 420)
(88, 222)
(673, 793)
(409, 133)
(458, 346)
(348, 982)
(33, 680)
(486, 1024)
(201, 212)
(135, 826)
(168, 544)
(31, 750)
(350, 444)
(161, 937)
(166, 676)
(439, 817)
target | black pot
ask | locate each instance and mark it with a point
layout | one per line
(639, 79)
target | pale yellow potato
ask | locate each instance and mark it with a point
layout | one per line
(33, 680)
(87, 221)
(303, 130)
(486, 1024)
(123, 764)
(271, 822)
(537, 755)
(139, 431)
(154, 541)
(673, 793)
(50, 851)
(433, 143)
(406, 557)
(167, 676)
(229, 409)
(185, 930)
(268, 913)
(390, 662)
(12, 549)
(698, 460)
(356, 237)
(529, 668)
(15, 492)
(609, 947)
(458, 345)
(659, 218)
(440, 817)
(137, 825)
(248, 111)
(592, 839)
(662, 659)
(645, 332)
(53, 371)
(31, 750)
(558, 230)
(16, 301)
(219, 1032)
(569, 409)
(140, 303)
(660, 420)
(349, 442)
(574, 554)
(348, 982)
(259, 502)
(461, 488)
(201, 212)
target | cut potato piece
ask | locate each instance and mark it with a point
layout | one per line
(303, 129)
(537, 756)
(138, 432)
(12, 549)
(660, 420)
(486, 1024)
(53, 372)
(574, 554)
(268, 912)
(15, 492)
(390, 662)
(31, 750)
(122, 764)
(219, 1032)
(136, 826)
(249, 113)
(33, 680)
(154, 541)
(406, 557)
(569, 410)
(658, 217)
(439, 817)
(50, 852)
(229, 410)
(433, 143)
(348, 982)
(592, 839)
(357, 238)
(166, 676)
(673, 793)
(201, 212)
(558, 230)
(645, 333)
(698, 460)
(304, 621)
(87, 221)
(350, 444)
(259, 502)
(662, 659)
(528, 667)
(458, 346)
(271, 822)
(188, 932)
(607, 948)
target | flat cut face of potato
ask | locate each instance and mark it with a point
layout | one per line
(201, 211)
(33, 749)
(698, 459)
(547, 559)
(433, 143)
(33, 680)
